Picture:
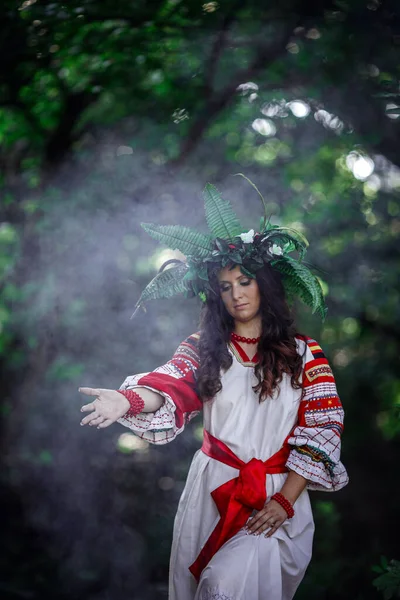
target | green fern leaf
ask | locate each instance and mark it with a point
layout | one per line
(299, 281)
(166, 284)
(292, 232)
(186, 240)
(221, 219)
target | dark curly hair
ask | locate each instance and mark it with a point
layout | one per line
(276, 348)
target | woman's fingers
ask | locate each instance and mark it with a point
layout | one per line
(89, 418)
(269, 518)
(263, 526)
(272, 530)
(110, 405)
(265, 519)
(257, 520)
(268, 524)
(91, 406)
(105, 423)
(88, 407)
(89, 391)
(95, 422)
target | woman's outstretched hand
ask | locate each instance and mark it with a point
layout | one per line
(107, 407)
(269, 518)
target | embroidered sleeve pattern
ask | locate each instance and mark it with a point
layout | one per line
(175, 381)
(316, 439)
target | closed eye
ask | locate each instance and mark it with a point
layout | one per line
(242, 282)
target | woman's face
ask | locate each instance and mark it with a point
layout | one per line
(240, 294)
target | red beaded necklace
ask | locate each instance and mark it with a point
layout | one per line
(238, 338)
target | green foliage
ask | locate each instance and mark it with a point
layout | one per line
(166, 284)
(221, 220)
(388, 581)
(299, 281)
(288, 239)
(204, 252)
(186, 240)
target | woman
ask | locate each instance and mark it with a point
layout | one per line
(272, 425)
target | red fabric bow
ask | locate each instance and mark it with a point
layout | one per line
(237, 498)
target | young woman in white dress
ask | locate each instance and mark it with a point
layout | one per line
(272, 426)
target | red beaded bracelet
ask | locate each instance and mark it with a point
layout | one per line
(136, 402)
(284, 502)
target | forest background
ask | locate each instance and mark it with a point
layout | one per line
(113, 113)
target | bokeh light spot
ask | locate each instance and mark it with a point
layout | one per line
(361, 166)
(297, 185)
(210, 7)
(121, 150)
(264, 127)
(128, 442)
(350, 326)
(272, 109)
(299, 108)
(293, 48)
(341, 358)
(372, 185)
(392, 110)
(198, 433)
(371, 218)
(161, 256)
(313, 34)
(249, 86)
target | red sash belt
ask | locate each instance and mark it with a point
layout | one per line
(237, 498)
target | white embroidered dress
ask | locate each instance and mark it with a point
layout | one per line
(246, 567)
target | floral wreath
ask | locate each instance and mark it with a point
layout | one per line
(228, 245)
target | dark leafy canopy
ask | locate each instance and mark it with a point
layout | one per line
(112, 113)
(67, 66)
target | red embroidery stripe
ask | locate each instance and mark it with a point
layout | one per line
(181, 391)
(317, 371)
(243, 354)
(323, 403)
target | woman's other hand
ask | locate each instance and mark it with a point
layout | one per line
(270, 518)
(107, 407)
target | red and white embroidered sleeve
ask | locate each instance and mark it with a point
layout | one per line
(316, 440)
(175, 381)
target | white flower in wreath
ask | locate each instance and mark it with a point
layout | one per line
(247, 238)
(276, 250)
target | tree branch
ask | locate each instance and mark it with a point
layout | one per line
(211, 65)
(59, 143)
(265, 56)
